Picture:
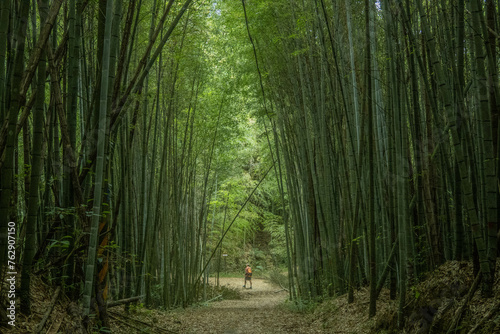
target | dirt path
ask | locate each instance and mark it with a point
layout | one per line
(259, 311)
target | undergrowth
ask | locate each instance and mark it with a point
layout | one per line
(300, 305)
(223, 291)
(278, 278)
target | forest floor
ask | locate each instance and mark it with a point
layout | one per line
(433, 305)
(260, 310)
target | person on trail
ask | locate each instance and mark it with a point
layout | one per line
(248, 276)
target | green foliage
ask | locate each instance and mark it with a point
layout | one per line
(101, 329)
(415, 291)
(300, 305)
(62, 243)
(278, 278)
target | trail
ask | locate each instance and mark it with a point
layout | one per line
(260, 311)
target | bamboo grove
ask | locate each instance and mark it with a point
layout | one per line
(110, 125)
(386, 117)
(122, 122)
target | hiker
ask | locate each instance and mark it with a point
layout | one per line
(248, 276)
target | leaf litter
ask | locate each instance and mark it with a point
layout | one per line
(431, 305)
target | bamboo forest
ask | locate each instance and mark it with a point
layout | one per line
(249, 166)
